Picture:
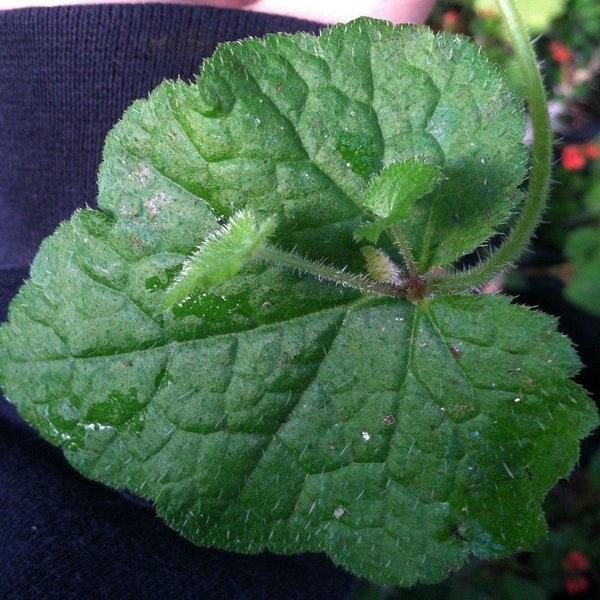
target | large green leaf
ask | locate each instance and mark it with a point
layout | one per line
(296, 126)
(398, 439)
(278, 411)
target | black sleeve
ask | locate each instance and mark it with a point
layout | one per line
(66, 76)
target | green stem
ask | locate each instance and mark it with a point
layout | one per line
(405, 250)
(323, 271)
(539, 179)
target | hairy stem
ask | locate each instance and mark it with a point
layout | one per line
(539, 179)
(323, 271)
(403, 246)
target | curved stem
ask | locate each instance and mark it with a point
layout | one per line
(539, 179)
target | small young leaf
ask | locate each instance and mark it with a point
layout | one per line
(398, 439)
(392, 194)
(380, 266)
(220, 256)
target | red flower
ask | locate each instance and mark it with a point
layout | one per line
(573, 158)
(578, 584)
(451, 20)
(591, 150)
(575, 562)
(560, 53)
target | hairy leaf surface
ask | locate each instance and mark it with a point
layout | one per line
(276, 411)
(297, 126)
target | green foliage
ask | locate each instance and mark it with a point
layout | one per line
(273, 135)
(219, 257)
(570, 224)
(537, 14)
(393, 194)
(272, 410)
(547, 572)
(578, 203)
(583, 251)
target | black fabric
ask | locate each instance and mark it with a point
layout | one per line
(66, 76)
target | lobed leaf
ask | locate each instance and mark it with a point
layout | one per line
(276, 411)
(297, 126)
(397, 439)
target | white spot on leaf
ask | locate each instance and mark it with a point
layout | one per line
(339, 512)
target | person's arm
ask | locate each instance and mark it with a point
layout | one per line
(333, 11)
(329, 11)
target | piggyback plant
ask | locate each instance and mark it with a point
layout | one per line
(263, 328)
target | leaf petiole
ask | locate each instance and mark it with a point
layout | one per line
(323, 271)
(404, 247)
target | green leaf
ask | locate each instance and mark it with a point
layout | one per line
(296, 127)
(397, 439)
(537, 14)
(273, 410)
(393, 192)
(582, 249)
(219, 257)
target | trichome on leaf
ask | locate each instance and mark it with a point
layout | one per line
(398, 437)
